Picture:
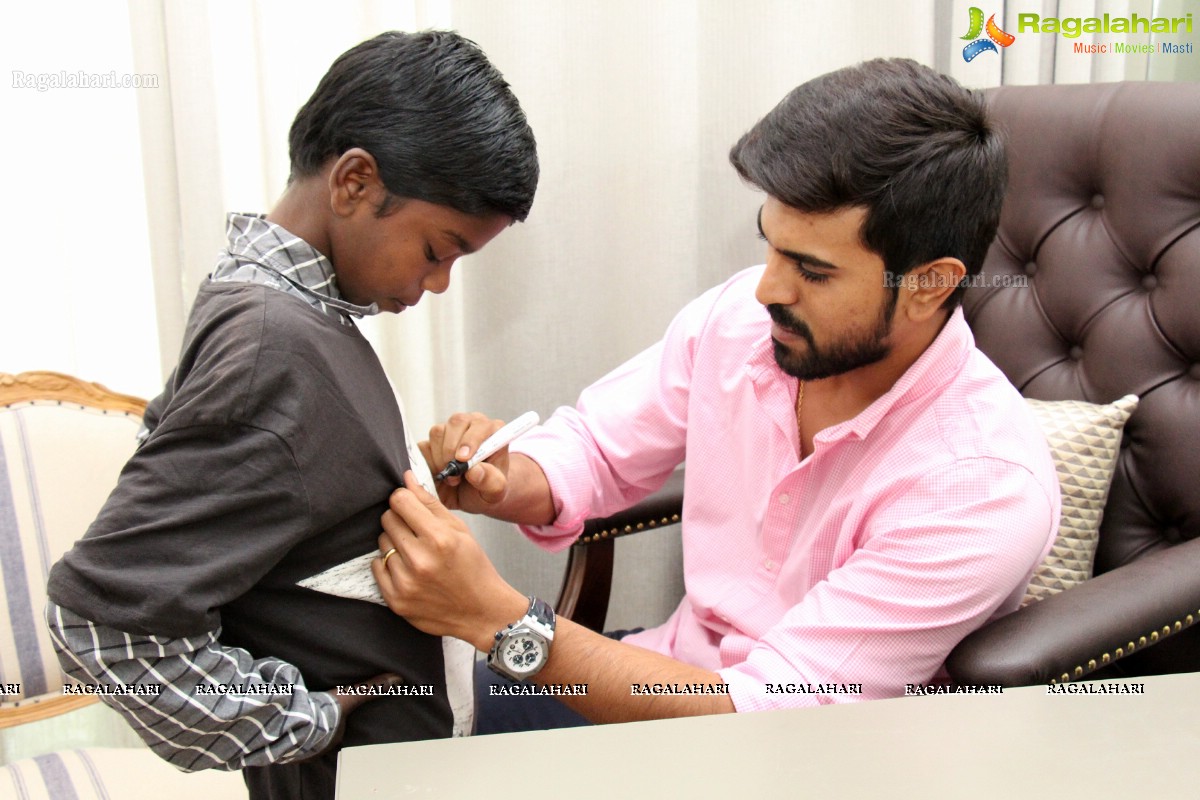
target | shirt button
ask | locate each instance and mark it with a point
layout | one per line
(783, 499)
(769, 565)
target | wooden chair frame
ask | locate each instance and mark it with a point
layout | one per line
(45, 386)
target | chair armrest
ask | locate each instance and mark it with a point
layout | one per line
(40, 708)
(1087, 627)
(587, 582)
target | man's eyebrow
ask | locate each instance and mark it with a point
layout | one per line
(801, 259)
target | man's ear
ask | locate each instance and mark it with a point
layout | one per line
(353, 180)
(928, 286)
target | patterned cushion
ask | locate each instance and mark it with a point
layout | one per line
(58, 463)
(111, 773)
(1084, 440)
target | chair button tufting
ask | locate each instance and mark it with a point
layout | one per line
(1194, 371)
(1171, 534)
(1076, 353)
(1097, 201)
(1149, 282)
(1031, 269)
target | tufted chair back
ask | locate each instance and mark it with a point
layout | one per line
(1103, 218)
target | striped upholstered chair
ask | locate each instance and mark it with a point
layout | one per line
(62, 444)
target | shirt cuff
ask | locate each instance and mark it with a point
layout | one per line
(749, 693)
(326, 706)
(562, 472)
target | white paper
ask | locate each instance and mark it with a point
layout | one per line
(351, 579)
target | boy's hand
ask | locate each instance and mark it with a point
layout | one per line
(459, 439)
(349, 701)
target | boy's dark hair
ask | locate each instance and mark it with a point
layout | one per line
(910, 145)
(439, 119)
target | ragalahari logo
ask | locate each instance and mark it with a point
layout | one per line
(995, 36)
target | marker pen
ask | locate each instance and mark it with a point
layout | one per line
(500, 439)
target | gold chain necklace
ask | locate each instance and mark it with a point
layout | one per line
(799, 424)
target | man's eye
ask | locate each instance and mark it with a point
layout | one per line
(812, 277)
(429, 254)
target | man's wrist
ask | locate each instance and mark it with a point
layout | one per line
(521, 649)
(510, 609)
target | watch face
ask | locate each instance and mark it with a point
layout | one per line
(523, 653)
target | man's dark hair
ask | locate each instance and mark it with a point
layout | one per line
(911, 146)
(439, 119)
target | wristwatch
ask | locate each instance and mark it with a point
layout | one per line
(520, 650)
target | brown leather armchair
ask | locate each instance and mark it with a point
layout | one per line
(1103, 216)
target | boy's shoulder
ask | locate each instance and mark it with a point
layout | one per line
(240, 318)
(244, 339)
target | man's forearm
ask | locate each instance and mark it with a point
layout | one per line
(625, 683)
(442, 582)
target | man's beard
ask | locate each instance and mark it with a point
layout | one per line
(841, 356)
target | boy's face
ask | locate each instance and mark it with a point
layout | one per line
(394, 259)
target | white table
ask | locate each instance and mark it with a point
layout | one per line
(1023, 743)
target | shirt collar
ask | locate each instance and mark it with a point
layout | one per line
(933, 369)
(254, 240)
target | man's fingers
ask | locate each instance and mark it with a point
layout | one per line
(427, 451)
(489, 481)
(389, 569)
(416, 507)
(461, 436)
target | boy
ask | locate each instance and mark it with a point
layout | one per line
(277, 439)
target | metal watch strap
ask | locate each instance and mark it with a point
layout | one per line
(541, 611)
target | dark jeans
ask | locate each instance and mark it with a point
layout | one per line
(513, 713)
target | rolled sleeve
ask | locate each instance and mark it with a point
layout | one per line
(626, 435)
(196, 703)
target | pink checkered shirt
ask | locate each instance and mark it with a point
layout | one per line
(841, 577)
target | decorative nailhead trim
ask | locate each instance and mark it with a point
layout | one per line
(1121, 652)
(614, 532)
(80, 406)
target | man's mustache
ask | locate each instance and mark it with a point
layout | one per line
(789, 322)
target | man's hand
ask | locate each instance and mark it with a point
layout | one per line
(439, 578)
(348, 702)
(459, 439)
(441, 581)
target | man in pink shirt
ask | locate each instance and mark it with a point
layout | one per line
(863, 486)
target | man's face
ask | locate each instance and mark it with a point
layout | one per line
(394, 259)
(824, 291)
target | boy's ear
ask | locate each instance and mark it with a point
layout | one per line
(353, 180)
